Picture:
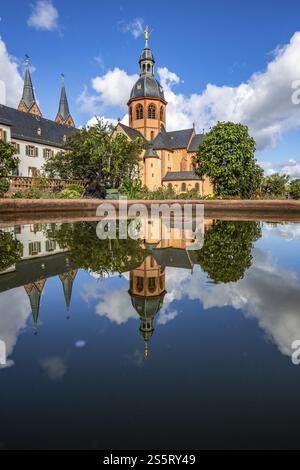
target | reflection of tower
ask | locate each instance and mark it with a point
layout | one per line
(34, 292)
(67, 280)
(147, 291)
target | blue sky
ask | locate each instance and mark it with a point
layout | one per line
(96, 44)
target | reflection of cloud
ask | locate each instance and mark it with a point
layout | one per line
(112, 301)
(54, 367)
(164, 317)
(136, 359)
(288, 231)
(14, 313)
(268, 293)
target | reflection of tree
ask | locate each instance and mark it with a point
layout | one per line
(226, 253)
(10, 250)
(100, 256)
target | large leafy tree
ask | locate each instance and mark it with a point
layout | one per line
(226, 253)
(98, 158)
(275, 185)
(226, 156)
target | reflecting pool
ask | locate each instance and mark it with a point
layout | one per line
(127, 344)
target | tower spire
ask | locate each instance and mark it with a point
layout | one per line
(28, 103)
(147, 36)
(67, 280)
(63, 116)
(34, 292)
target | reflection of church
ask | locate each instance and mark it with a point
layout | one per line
(147, 291)
(147, 281)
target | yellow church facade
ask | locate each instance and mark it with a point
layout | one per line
(168, 157)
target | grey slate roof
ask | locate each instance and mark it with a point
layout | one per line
(150, 152)
(180, 175)
(147, 55)
(28, 94)
(173, 140)
(63, 109)
(196, 140)
(24, 126)
(133, 134)
(147, 86)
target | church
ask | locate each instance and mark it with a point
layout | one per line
(168, 157)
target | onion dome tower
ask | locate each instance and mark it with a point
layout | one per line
(28, 103)
(147, 291)
(147, 104)
(63, 116)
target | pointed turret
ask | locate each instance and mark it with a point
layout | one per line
(63, 116)
(67, 280)
(28, 103)
(34, 292)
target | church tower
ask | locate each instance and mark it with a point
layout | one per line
(63, 116)
(34, 292)
(147, 104)
(28, 103)
(147, 291)
(67, 280)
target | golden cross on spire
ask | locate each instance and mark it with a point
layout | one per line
(147, 35)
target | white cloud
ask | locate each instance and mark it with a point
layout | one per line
(135, 27)
(113, 90)
(291, 167)
(11, 83)
(44, 16)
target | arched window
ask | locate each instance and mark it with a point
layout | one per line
(183, 187)
(170, 185)
(151, 284)
(139, 111)
(152, 135)
(148, 67)
(130, 113)
(161, 113)
(139, 284)
(183, 164)
(152, 111)
(197, 187)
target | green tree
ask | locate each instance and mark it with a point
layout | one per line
(226, 155)
(10, 250)
(8, 160)
(226, 253)
(98, 158)
(275, 185)
(88, 252)
(295, 189)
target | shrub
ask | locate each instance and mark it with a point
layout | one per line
(4, 186)
(40, 183)
(75, 187)
(69, 194)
